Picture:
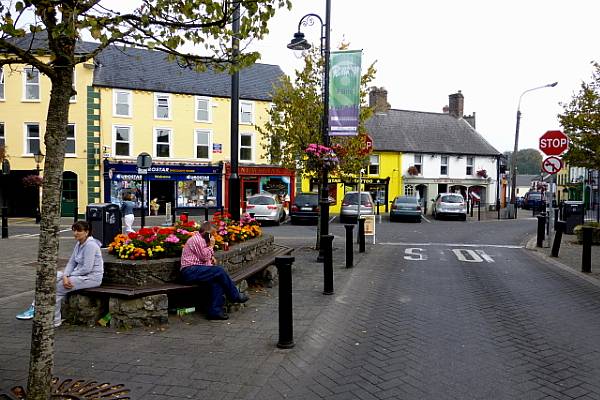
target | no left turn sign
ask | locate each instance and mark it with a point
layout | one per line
(552, 165)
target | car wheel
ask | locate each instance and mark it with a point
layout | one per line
(463, 217)
(419, 220)
(293, 221)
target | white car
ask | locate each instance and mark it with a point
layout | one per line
(266, 207)
(450, 204)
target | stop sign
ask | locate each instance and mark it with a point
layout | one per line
(554, 143)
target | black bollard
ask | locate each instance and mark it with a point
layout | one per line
(4, 222)
(206, 213)
(541, 230)
(586, 255)
(286, 320)
(361, 235)
(472, 207)
(327, 264)
(479, 211)
(349, 247)
(75, 216)
(559, 228)
(556, 218)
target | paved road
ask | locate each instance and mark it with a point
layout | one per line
(441, 310)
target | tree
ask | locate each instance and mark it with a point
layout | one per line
(50, 42)
(581, 122)
(529, 161)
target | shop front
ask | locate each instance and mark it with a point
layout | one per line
(262, 178)
(378, 187)
(186, 187)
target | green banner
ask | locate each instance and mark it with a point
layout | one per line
(344, 92)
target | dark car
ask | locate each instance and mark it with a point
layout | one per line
(533, 200)
(408, 207)
(305, 208)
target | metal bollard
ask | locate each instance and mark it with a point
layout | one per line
(472, 207)
(361, 235)
(479, 211)
(286, 320)
(349, 247)
(75, 216)
(4, 222)
(206, 213)
(586, 255)
(541, 230)
(556, 219)
(559, 229)
(328, 264)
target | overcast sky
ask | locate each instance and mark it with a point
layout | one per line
(491, 51)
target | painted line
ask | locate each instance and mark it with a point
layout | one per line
(7, 299)
(503, 246)
(423, 217)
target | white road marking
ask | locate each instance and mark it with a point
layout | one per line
(503, 246)
(414, 254)
(485, 256)
(423, 217)
(467, 255)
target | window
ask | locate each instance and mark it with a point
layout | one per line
(1, 84)
(163, 142)
(122, 140)
(469, 165)
(444, 165)
(70, 143)
(162, 106)
(419, 163)
(374, 164)
(203, 144)
(246, 153)
(73, 98)
(246, 112)
(409, 190)
(203, 109)
(32, 84)
(2, 138)
(32, 138)
(122, 103)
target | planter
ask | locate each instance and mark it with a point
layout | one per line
(578, 231)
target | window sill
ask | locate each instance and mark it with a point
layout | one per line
(31, 100)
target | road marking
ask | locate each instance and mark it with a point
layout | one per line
(468, 255)
(414, 254)
(423, 217)
(502, 246)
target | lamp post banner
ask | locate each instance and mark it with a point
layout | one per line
(344, 92)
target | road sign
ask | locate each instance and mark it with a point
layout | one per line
(368, 143)
(142, 171)
(552, 165)
(554, 143)
(144, 160)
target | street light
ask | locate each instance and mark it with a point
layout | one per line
(39, 158)
(513, 161)
(300, 43)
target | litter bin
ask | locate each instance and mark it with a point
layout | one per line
(105, 221)
(572, 213)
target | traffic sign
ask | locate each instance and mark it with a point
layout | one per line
(552, 165)
(554, 143)
(368, 143)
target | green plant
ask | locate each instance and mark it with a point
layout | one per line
(578, 231)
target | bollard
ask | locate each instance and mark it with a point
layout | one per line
(479, 211)
(75, 216)
(472, 207)
(328, 264)
(559, 228)
(556, 219)
(361, 235)
(4, 222)
(541, 230)
(349, 248)
(206, 213)
(586, 255)
(286, 320)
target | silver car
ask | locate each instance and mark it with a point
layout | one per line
(349, 209)
(450, 204)
(266, 207)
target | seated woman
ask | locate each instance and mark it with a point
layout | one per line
(197, 265)
(84, 270)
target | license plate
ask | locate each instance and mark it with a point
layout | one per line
(306, 208)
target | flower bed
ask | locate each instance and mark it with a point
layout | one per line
(163, 242)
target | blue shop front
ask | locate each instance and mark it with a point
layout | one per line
(185, 187)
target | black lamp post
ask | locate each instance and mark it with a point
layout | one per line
(513, 160)
(39, 158)
(300, 43)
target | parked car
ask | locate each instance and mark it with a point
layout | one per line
(305, 208)
(450, 204)
(349, 210)
(533, 200)
(266, 207)
(408, 207)
(519, 201)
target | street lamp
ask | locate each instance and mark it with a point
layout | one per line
(513, 161)
(39, 158)
(300, 43)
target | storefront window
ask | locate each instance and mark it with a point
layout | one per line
(200, 191)
(126, 185)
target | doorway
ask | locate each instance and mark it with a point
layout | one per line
(68, 202)
(164, 192)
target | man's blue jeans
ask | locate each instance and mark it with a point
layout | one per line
(220, 283)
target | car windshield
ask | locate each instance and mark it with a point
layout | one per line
(535, 196)
(261, 200)
(410, 200)
(307, 199)
(452, 198)
(352, 198)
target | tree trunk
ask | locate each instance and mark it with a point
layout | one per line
(42, 333)
(318, 239)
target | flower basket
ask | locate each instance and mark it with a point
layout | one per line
(412, 170)
(32, 181)
(482, 173)
(321, 157)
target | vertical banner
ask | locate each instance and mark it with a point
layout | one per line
(344, 92)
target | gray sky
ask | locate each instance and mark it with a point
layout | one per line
(491, 51)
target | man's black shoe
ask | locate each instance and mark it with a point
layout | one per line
(243, 298)
(218, 317)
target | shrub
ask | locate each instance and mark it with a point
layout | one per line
(578, 230)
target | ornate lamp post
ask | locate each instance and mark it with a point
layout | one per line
(300, 43)
(39, 158)
(513, 161)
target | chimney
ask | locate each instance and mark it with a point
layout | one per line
(446, 109)
(457, 103)
(378, 99)
(471, 119)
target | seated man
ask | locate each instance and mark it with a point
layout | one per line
(197, 265)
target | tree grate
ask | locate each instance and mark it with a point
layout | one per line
(75, 389)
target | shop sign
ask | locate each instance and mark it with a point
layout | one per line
(370, 226)
(197, 177)
(217, 148)
(128, 177)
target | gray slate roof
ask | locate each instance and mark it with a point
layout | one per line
(149, 70)
(525, 180)
(425, 132)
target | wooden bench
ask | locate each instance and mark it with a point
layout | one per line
(149, 304)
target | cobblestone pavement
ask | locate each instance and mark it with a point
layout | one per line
(520, 327)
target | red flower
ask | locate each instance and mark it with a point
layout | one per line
(146, 231)
(165, 231)
(132, 235)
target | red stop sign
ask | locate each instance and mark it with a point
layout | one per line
(554, 143)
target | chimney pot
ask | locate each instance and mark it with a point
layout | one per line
(456, 105)
(378, 99)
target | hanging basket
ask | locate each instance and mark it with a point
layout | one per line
(32, 181)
